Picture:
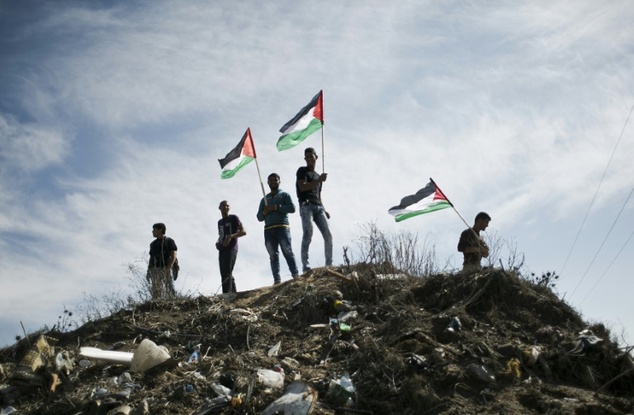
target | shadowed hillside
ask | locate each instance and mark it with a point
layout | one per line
(491, 343)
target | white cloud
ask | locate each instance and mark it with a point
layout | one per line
(511, 109)
(31, 147)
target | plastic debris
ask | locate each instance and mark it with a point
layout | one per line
(342, 390)
(271, 378)
(99, 393)
(347, 315)
(481, 372)
(530, 355)
(220, 389)
(194, 357)
(417, 362)
(454, 325)
(147, 356)
(585, 341)
(273, 351)
(298, 399)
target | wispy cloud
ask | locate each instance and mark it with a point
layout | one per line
(113, 118)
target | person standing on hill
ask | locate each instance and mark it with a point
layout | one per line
(229, 230)
(162, 262)
(273, 211)
(472, 245)
(311, 209)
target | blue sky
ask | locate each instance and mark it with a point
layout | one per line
(113, 116)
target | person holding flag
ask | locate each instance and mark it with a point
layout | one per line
(472, 245)
(273, 211)
(311, 209)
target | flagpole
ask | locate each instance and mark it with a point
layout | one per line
(261, 184)
(257, 166)
(323, 141)
(453, 207)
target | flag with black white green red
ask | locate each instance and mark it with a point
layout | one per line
(308, 120)
(240, 156)
(426, 200)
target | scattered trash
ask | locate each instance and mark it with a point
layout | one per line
(530, 355)
(417, 362)
(291, 363)
(271, 378)
(298, 399)
(121, 410)
(347, 315)
(513, 367)
(63, 363)
(480, 372)
(273, 351)
(342, 391)
(390, 276)
(99, 393)
(220, 389)
(342, 305)
(454, 325)
(8, 410)
(245, 314)
(585, 341)
(122, 358)
(36, 358)
(194, 357)
(148, 355)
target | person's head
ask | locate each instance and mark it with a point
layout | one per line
(482, 220)
(310, 155)
(274, 181)
(158, 230)
(224, 208)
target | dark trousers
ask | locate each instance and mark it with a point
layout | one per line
(227, 260)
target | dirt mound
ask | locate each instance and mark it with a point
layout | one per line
(356, 340)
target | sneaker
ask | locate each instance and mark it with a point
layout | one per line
(277, 282)
(295, 277)
(306, 269)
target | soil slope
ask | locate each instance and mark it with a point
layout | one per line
(490, 343)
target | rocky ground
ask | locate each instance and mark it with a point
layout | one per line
(359, 341)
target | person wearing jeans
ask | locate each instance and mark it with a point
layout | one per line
(273, 211)
(311, 209)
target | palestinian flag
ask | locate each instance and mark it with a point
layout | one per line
(306, 122)
(428, 199)
(240, 156)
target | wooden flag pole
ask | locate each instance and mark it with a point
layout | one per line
(261, 184)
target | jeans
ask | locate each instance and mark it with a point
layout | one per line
(281, 237)
(316, 213)
(227, 260)
(161, 283)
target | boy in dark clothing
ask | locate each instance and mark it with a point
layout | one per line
(229, 230)
(311, 209)
(162, 259)
(472, 245)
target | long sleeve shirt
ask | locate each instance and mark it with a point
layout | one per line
(279, 217)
